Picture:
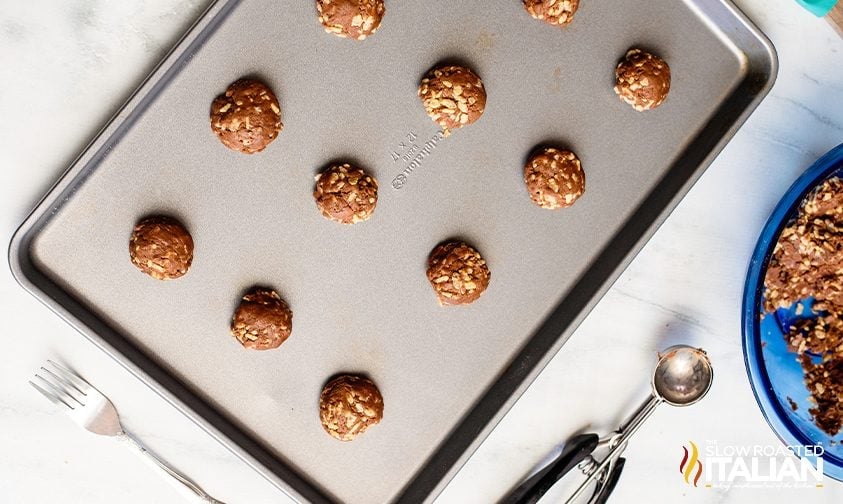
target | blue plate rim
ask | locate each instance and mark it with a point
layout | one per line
(762, 388)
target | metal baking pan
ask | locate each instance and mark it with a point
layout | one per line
(359, 294)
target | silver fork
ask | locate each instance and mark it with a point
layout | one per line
(89, 408)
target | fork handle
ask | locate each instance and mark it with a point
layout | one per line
(186, 487)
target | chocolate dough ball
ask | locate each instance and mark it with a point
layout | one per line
(262, 320)
(642, 80)
(161, 247)
(453, 96)
(349, 405)
(247, 117)
(346, 194)
(555, 12)
(457, 272)
(355, 19)
(554, 178)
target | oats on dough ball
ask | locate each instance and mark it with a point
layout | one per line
(453, 96)
(349, 405)
(642, 80)
(554, 178)
(356, 19)
(161, 247)
(555, 12)
(247, 117)
(457, 272)
(346, 194)
(263, 320)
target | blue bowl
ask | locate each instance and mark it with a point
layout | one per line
(775, 374)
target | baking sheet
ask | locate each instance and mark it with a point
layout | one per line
(359, 294)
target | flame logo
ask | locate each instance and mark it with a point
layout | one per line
(690, 462)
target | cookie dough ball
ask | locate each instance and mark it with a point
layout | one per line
(346, 194)
(554, 178)
(161, 247)
(247, 117)
(263, 320)
(555, 12)
(349, 405)
(355, 19)
(457, 272)
(453, 96)
(642, 80)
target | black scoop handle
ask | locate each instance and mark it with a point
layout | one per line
(603, 494)
(575, 451)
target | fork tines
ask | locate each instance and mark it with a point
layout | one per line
(61, 385)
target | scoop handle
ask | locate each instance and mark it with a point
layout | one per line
(602, 495)
(576, 450)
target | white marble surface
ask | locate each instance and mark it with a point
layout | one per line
(65, 66)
